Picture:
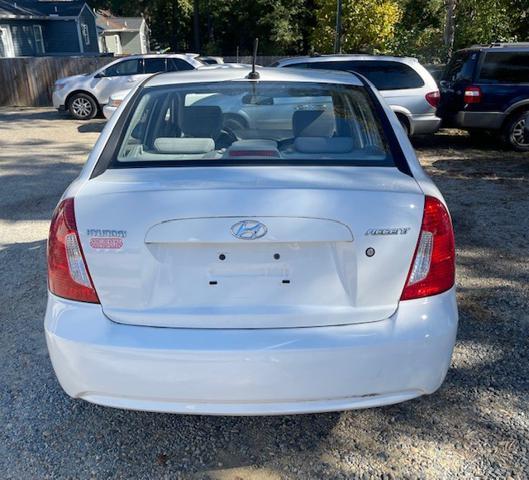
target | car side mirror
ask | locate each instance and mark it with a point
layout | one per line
(99, 75)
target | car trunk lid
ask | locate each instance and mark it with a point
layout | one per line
(162, 245)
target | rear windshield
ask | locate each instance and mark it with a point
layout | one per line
(460, 67)
(505, 67)
(383, 74)
(245, 122)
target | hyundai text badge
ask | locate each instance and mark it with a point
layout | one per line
(249, 230)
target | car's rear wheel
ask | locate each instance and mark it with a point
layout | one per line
(514, 133)
(82, 106)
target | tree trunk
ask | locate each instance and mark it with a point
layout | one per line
(450, 27)
(338, 38)
(196, 26)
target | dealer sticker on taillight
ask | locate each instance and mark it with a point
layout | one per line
(112, 243)
(106, 239)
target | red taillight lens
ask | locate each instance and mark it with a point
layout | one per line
(472, 94)
(68, 275)
(433, 268)
(433, 98)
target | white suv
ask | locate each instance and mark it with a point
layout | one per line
(85, 95)
(408, 88)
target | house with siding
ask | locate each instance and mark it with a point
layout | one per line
(122, 35)
(44, 27)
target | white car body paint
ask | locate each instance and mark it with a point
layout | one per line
(335, 337)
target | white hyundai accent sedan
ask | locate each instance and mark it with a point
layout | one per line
(201, 266)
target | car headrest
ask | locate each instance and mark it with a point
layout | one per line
(202, 121)
(184, 145)
(323, 144)
(313, 123)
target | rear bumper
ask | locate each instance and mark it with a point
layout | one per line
(251, 372)
(424, 124)
(484, 120)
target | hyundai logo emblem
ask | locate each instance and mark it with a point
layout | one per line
(249, 230)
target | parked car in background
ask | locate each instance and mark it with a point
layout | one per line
(114, 101)
(486, 88)
(232, 108)
(85, 95)
(405, 84)
(194, 268)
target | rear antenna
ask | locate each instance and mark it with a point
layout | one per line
(253, 75)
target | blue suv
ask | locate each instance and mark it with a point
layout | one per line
(487, 89)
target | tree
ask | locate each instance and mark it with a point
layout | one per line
(367, 25)
(484, 21)
(428, 29)
(420, 30)
(279, 24)
(450, 27)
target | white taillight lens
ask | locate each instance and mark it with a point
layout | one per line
(423, 258)
(75, 261)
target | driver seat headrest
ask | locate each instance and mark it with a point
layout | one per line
(202, 121)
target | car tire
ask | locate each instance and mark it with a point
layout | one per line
(513, 133)
(82, 106)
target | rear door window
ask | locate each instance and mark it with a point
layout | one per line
(154, 65)
(126, 67)
(505, 67)
(461, 67)
(177, 65)
(385, 75)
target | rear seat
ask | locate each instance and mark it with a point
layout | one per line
(314, 132)
(184, 145)
(201, 127)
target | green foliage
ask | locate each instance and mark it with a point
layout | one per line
(367, 25)
(420, 31)
(228, 24)
(290, 27)
(484, 21)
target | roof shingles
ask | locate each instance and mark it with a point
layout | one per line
(40, 8)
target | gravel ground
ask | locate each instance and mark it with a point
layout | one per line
(475, 426)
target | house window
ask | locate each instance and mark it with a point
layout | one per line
(27, 37)
(85, 33)
(39, 41)
(6, 42)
